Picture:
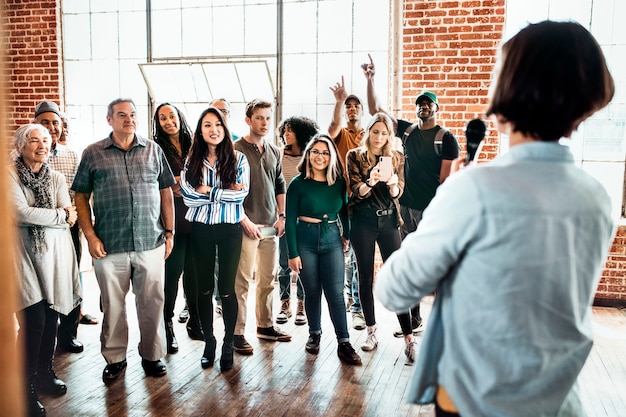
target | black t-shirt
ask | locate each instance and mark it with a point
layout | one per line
(422, 163)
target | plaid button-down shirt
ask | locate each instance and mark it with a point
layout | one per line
(66, 162)
(126, 192)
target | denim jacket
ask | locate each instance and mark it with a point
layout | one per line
(514, 249)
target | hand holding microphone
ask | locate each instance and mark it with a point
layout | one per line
(474, 133)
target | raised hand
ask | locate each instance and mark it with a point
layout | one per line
(368, 68)
(339, 90)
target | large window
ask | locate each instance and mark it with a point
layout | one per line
(196, 50)
(599, 145)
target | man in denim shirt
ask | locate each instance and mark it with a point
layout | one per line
(515, 247)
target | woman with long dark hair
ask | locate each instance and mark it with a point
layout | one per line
(214, 183)
(171, 131)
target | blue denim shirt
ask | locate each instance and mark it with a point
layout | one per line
(514, 248)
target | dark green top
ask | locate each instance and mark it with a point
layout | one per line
(306, 197)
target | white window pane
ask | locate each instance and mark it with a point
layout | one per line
(132, 5)
(619, 34)
(299, 35)
(197, 35)
(228, 30)
(260, 29)
(131, 81)
(98, 6)
(329, 71)
(298, 84)
(76, 36)
(611, 176)
(577, 10)
(165, 4)
(133, 43)
(104, 34)
(166, 33)
(223, 81)
(75, 6)
(78, 75)
(335, 26)
(255, 81)
(602, 22)
(369, 15)
(108, 85)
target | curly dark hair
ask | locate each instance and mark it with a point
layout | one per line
(226, 159)
(163, 139)
(303, 127)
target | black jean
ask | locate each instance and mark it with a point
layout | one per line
(206, 241)
(367, 230)
(179, 262)
(37, 334)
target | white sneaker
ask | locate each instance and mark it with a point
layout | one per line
(371, 342)
(409, 351)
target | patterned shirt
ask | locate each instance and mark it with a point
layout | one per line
(219, 205)
(66, 162)
(126, 192)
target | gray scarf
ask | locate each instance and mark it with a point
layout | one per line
(39, 183)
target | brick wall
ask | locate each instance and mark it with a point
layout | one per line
(33, 66)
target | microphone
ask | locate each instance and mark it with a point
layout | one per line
(474, 133)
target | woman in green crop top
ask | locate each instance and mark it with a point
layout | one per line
(317, 231)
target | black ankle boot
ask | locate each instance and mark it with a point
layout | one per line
(194, 329)
(172, 343)
(47, 382)
(226, 361)
(208, 357)
(33, 406)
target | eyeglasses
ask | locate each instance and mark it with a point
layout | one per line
(225, 112)
(315, 152)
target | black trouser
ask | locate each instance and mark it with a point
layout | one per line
(37, 334)
(206, 241)
(179, 262)
(369, 228)
(68, 325)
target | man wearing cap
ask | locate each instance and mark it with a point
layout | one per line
(65, 161)
(429, 151)
(347, 138)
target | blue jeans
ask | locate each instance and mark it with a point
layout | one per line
(352, 281)
(284, 273)
(322, 270)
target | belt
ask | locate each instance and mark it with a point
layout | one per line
(387, 212)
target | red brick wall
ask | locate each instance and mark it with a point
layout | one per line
(33, 65)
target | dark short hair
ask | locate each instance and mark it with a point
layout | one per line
(256, 104)
(553, 75)
(303, 127)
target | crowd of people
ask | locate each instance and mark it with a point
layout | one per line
(226, 212)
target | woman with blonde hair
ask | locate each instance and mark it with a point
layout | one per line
(376, 176)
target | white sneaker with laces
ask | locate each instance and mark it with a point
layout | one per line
(371, 342)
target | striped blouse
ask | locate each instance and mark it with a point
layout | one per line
(218, 205)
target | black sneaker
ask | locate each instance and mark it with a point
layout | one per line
(346, 353)
(313, 343)
(242, 346)
(272, 333)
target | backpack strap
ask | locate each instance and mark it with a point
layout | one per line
(407, 132)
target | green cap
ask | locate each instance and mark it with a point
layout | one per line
(427, 94)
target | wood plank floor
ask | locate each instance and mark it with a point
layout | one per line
(281, 379)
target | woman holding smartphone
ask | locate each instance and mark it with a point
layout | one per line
(376, 175)
(214, 184)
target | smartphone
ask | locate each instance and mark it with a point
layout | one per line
(385, 168)
(268, 231)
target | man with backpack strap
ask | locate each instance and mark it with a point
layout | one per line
(429, 150)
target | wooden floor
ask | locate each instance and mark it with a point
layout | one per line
(281, 379)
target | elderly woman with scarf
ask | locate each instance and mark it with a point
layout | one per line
(46, 267)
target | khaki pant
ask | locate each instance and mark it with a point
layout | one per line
(115, 273)
(264, 253)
